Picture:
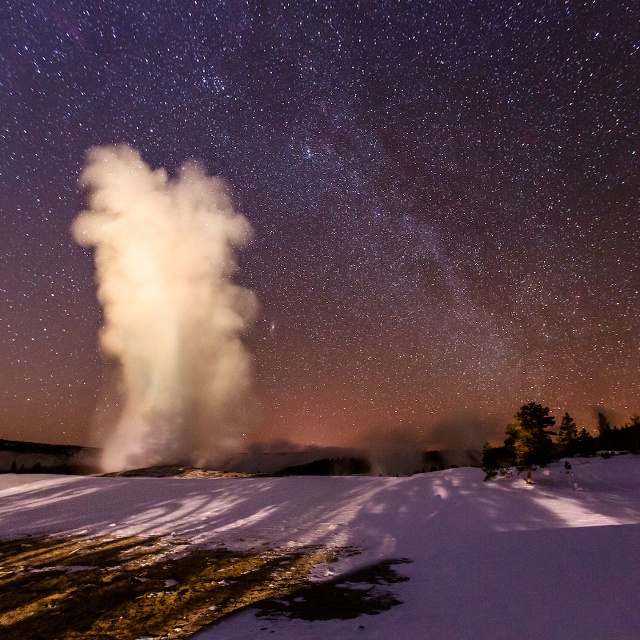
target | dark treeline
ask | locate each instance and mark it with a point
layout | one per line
(328, 467)
(32, 448)
(61, 469)
(38, 457)
(624, 438)
(529, 440)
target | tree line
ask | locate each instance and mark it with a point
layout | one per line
(529, 440)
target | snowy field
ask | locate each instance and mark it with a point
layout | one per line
(500, 559)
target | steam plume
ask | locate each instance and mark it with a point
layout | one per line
(165, 258)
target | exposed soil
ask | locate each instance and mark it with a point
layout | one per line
(176, 472)
(109, 588)
(114, 588)
(365, 591)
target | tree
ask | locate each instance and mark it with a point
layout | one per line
(634, 429)
(568, 435)
(605, 433)
(495, 460)
(627, 438)
(585, 445)
(490, 463)
(528, 438)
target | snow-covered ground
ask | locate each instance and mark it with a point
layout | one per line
(500, 559)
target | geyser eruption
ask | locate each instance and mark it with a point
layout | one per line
(165, 259)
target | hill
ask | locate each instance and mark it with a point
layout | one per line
(37, 457)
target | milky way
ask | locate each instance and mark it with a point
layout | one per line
(444, 197)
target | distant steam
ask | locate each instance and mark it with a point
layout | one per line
(165, 259)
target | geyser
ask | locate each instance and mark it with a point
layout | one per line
(165, 254)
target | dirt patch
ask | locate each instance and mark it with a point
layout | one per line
(130, 587)
(362, 592)
(176, 472)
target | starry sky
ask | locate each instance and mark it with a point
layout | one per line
(444, 196)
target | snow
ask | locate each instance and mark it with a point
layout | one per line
(497, 559)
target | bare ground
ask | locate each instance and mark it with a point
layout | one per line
(72, 588)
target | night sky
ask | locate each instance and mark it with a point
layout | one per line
(444, 196)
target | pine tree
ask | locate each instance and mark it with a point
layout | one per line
(490, 463)
(528, 438)
(605, 433)
(568, 435)
(586, 445)
(634, 429)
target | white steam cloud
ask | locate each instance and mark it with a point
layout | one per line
(165, 260)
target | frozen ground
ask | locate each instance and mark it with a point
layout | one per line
(498, 559)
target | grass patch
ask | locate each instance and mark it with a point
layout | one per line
(111, 588)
